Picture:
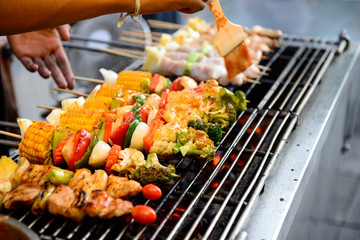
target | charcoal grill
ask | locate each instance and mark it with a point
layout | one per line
(215, 200)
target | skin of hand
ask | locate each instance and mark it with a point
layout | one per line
(42, 51)
(18, 16)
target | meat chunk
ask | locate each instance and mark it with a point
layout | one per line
(88, 182)
(99, 204)
(22, 196)
(68, 203)
(36, 174)
(122, 187)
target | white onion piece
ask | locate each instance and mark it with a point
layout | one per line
(94, 91)
(54, 117)
(99, 154)
(152, 114)
(24, 124)
(137, 141)
(109, 75)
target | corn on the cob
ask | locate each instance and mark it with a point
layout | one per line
(99, 102)
(132, 80)
(37, 143)
(77, 118)
(109, 90)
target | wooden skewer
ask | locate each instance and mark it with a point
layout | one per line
(263, 67)
(156, 34)
(263, 57)
(10, 134)
(130, 51)
(46, 107)
(140, 35)
(248, 101)
(162, 24)
(120, 53)
(138, 41)
(247, 80)
(72, 92)
(88, 79)
(263, 74)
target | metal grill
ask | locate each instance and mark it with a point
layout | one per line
(212, 200)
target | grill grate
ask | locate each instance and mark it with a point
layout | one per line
(212, 200)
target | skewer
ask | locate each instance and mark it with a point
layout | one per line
(72, 92)
(138, 41)
(140, 35)
(88, 79)
(130, 51)
(162, 24)
(263, 67)
(263, 57)
(10, 134)
(156, 34)
(263, 74)
(247, 80)
(120, 53)
(46, 107)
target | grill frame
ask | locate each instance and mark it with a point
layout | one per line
(262, 109)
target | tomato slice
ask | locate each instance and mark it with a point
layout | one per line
(151, 192)
(108, 123)
(81, 143)
(176, 85)
(144, 113)
(144, 214)
(118, 136)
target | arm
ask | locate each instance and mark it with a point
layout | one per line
(18, 16)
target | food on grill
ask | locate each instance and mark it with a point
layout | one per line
(153, 172)
(86, 181)
(22, 196)
(122, 187)
(213, 130)
(135, 80)
(41, 202)
(128, 160)
(143, 214)
(7, 167)
(152, 192)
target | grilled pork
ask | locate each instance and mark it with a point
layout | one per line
(100, 204)
(36, 174)
(88, 182)
(68, 203)
(22, 196)
(122, 187)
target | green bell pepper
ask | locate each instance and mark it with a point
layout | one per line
(130, 132)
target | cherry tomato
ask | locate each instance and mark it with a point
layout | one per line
(151, 192)
(143, 214)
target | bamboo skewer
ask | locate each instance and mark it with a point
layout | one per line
(263, 67)
(135, 52)
(120, 53)
(88, 79)
(10, 134)
(46, 107)
(164, 25)
(263, 57)
(72, 92)
(263, 74)
(140, 35)
(138, 41)
(247, 80)
(156, 34)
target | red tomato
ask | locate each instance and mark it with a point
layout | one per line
(108, 123)
(81, 143)
(163, 99)
(144, 113)
(144, 214)
(118, 136)
(176, 85)
(151, 192)
(156, 80)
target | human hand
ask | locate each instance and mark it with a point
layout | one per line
(42, 51)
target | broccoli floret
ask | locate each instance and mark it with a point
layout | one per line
(194, 143)
(153, 172)
(213, 130)
(237, 99)
(224, 115)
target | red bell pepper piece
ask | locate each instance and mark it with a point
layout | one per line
(112, 158)
(176, 85)
(163, 100)
(156, 123)
(58, 157)
(118, 136)
(81, 143)
(108, 123)
(144, 113)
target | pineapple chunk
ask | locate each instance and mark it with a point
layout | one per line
(7, 167)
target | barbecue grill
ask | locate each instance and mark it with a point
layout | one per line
(220, 199)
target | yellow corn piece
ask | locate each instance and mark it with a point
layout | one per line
(99, 102)
(77, 118)
(109, 90)
(36, 145)
(132, 80)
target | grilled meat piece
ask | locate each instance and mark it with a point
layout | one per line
(122, 187)
(36, 174)
(88, 182)
(22, 196)
(68, 203)
(100, 204)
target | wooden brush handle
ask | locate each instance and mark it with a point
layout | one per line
(219, 16)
